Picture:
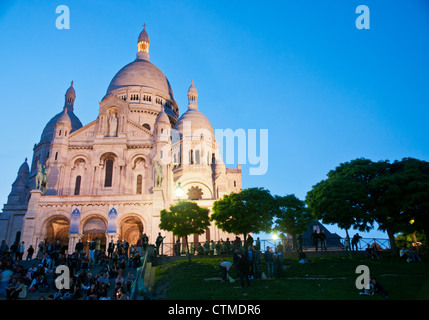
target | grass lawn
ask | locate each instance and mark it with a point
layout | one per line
(327, 277)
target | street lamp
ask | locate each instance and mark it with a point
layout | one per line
(179, 190)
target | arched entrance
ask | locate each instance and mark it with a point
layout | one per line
(94, 228)
(131, 229)
(58, 229)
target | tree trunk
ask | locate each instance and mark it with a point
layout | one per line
(187, 248)
(349, 244)
(392, 241)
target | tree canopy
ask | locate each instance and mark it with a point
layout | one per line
(249, 211)
(361, 192)
(185, 218)
(292, 215)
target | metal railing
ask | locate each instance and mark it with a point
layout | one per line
(286, 245)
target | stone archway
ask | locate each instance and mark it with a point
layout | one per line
(58, 229)
(94, 227)
(131, 229)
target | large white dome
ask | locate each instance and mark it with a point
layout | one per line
(142, 73)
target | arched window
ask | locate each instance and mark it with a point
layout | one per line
(18, 236)
(191, 157)
(109, 173)
(77, 185)
(139, 184)
(197, 156)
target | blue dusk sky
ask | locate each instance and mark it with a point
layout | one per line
(326, 91)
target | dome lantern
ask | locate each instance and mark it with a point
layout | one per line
(143, 45)
(70, 97)
(192, 96)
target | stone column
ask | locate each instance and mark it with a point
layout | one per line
(157, 206)
(73, 239)
(29, 223)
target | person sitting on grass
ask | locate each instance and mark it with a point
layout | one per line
(302, 258)
(369, 252)
(374, 287)
(409, 255)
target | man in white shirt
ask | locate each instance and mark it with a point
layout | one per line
(224, 267)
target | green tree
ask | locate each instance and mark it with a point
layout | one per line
(249, 211)
(342, 198)
(407, 240)
(400, 197)
(361, 193)
(292, 215)
(185, 218)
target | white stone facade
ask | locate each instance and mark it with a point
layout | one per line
(109, 165)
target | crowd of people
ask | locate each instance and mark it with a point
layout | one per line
(93, 276)
(97, 274)
(246, 261)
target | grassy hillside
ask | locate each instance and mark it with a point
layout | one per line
(329, 277)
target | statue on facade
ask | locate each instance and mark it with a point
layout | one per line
(113, 125)
(41, 177)
(159, 176)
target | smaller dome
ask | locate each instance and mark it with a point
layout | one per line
(24, 168)
(48, 131)
(23, 173)
(162, 117)
(64, 119)
(197, 122)
(194, 118)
